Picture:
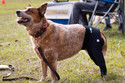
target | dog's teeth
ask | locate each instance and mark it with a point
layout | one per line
(25, 19)
(22, 20)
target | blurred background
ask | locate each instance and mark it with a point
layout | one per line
(16, 49)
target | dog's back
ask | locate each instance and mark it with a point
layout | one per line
(71, 37)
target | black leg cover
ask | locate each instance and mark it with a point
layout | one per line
(94, 45)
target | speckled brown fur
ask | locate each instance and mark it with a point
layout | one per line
(58, 42)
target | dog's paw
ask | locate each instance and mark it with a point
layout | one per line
(43, 78)
(39, 81)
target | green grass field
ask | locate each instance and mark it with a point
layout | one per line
(16, 49)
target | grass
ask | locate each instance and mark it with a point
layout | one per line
(16, 49)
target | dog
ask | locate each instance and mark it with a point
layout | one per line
(59, 42)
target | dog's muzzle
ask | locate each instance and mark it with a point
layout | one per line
(23, 19)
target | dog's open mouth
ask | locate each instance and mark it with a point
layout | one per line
(23, 20)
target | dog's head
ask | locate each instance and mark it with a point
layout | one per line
(31, 15)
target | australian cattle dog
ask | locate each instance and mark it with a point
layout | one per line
(59, 42)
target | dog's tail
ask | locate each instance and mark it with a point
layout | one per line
(104, 48)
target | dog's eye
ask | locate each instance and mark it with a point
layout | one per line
(30, 11)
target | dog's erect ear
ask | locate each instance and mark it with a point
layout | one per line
(42, 9)
(29, 5)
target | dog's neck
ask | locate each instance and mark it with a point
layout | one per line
(34, 28)
(42, 30)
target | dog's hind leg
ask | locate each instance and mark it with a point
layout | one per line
(104, 48)
(95, 52)
(97, 57)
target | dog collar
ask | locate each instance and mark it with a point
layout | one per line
(42, 30)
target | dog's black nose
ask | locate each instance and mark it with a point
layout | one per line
(17, 12)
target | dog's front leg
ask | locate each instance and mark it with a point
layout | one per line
(44, 70)
(51, 57)
(43, 64)
(54, 78)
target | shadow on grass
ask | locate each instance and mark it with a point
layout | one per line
(113, 77)
(110, 78)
